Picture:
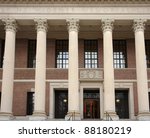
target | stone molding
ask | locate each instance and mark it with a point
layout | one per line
(63, 12)
(41, 25)
(74, 1)
(73, 24)
(107, 24)
(10, 24)
(139, 25)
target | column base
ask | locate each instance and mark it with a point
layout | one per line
(110, 116)
(6, 116)
(73, 116)
(143, 116)
(38, 116)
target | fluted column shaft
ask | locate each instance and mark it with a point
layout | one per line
(141, 67)
(8, 67)
(40, 73)
(109, 94)
(73, 81)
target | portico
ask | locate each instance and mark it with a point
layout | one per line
(72, 23)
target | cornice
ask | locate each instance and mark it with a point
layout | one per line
(75, 2)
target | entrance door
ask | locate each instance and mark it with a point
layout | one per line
(61, 103)
(91, 104)
(30, 103)
(122, 103)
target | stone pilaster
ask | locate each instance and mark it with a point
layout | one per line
(73, 86)
(141, 70)
(109, 93)
(40, 73)
(8, 69)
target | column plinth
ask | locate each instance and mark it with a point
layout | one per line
(109, 94)
(8, 70)
(73, 81)
(141, 70)
(40, 73)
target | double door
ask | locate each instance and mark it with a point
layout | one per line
(91, 108)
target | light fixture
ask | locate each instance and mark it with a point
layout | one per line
(65, 100)
(117, 100)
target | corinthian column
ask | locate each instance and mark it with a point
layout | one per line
(109, 94)
(8, 69)
(73, 86)
(141, 70)
(40, 73)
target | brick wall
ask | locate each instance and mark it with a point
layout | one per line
(21, 53)
(20, 97)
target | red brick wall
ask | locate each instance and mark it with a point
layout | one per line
(50, 55)
(100, 53)
(56, 74)
(126, 74)
(24, 73)
(21, 53)
(20, 97)
(81, 53)
(131, 53)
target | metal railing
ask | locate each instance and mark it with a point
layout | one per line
(71, 116)
(108, 117)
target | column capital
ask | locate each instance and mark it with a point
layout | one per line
(73, 24)
(10, 24)
(107, 24)
(139, 25)
(41, 25)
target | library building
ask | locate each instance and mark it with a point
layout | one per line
(75, 60)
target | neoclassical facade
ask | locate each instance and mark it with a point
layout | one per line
(75, 60)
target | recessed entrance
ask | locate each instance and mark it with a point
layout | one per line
(91, 107)
(61, 103)
(122, 103)
(30, 103)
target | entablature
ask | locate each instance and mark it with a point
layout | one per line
(74, 1)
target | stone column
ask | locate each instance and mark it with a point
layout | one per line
(73, 81)
(8, 70)
(40, 73)
(109, 93)
(141, 70)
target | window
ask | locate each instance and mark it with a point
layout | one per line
(90, 53)
(31, 53)
(62, 54)
(119, 54)
(147, 48)
(30, 103)
(1, 52)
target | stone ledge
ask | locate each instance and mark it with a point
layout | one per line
(74, 1)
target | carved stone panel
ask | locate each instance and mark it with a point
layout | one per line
(91, 74)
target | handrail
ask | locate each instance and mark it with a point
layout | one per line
(72, 115)
(108, 117)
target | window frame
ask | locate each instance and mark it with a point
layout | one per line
(62, 61)
(91, 60)
(120, 60)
